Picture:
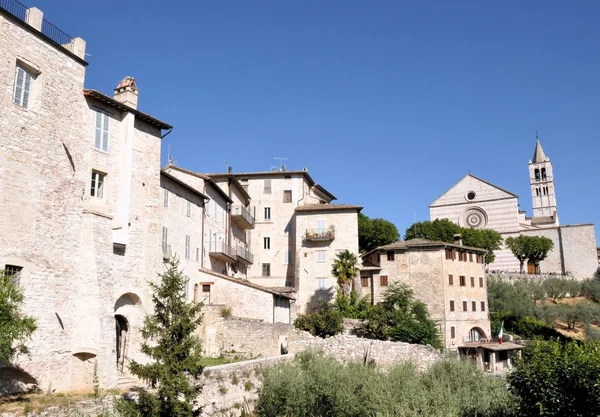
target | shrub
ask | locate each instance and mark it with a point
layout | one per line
(591, 289)
(226, 312)
(353, 306)
(324, 320)
(529, 327)
(314, 385)
(554, 379)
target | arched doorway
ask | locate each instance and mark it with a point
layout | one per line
(122, 329)
(476, 334)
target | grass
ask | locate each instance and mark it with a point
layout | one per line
(25, 403)
(221, 360)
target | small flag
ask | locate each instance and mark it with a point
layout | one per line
(501, 332)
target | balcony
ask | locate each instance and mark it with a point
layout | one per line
(320, 235)
(242, 217)
(244, 255)
(222, 250)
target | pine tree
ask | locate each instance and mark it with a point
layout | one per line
(174, 351)
(15, 327)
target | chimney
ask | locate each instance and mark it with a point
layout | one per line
(230, 169)
(458, 239)
(127, 92)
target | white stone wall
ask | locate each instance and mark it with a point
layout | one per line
(72, 280)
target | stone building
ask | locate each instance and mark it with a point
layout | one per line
(474, 202)
(448, 278)
(297, 232)
(79, 191)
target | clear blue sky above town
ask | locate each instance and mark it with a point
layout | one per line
(387, 103)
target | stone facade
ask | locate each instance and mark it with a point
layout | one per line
(448, 278)
(86, 250)
(474, 202)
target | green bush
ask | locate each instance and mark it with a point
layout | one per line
(353, 306)
(324, 320)
(591, 289)
(554, 379)
(314, 385)
(400, 318)
(529, 327)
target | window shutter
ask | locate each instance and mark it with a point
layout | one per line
(105, 132)
(19, 86)
(98, 139)
(26, 88)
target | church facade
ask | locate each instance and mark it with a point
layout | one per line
(474, 202)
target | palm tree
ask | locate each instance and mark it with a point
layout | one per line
(344, 269)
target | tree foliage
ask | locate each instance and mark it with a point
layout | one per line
(316, 385)
(353, 306)
(399, 317)
(376, 232)
(15, 327)
(555, 379)
(344, 268)
(173, 349)
(532, 248)
(444, 231)
(324, 320)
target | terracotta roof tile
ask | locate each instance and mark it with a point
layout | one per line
(318, 207)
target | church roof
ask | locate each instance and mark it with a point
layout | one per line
(538, 154)
(478, 179)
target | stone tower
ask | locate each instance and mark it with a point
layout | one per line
(543, 191)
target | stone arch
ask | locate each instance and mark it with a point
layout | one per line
(476, 334)
(128, 314)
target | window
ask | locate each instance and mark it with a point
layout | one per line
(544, 177)
(463, 281)
(473, 305)
(206, 288)
(383, 281)
(452, 332)
(449, 254)
(320, 256)
(470, 256)
(197, 254)
(187, 246)
(188, 209)
(166, 198)
(471, 195)
(287, 196)
(537, 174)
(464, 306)
(287, 258)
(472, 281)
(364, 282)
(101, 139)
(450, 279)
(390, 255)
(483, 306)
(451, 305)
(378, 258)
(321, 226)
(97, 189)
(462, 256)
(165, 235)
(267, 213)
(22, 87)
(481, 282)
(322, 283)
(13, 271)
(267, 187)
(266, 270)
(502, 356)
(266, 243)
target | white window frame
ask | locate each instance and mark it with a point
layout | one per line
(166, 198)
(321, 226)
(97, 184)
(267, 242)
(322, 284)
(165, 239)
(321, 256)
(188, 208)
(267, 213)
(102, 131)
(197, 254)
(268, 265)
(187, 246)
(22, 92)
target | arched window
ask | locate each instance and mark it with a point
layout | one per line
(544, 174)
(475, 334)
(537, 174)
(537, 191)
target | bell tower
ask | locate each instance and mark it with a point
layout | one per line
(543, 192)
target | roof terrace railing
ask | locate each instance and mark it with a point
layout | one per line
(20, 11)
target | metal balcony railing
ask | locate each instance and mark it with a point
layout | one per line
(245, 255)
(21, 12)
(320, 234)
(219, 249)
(242, 217)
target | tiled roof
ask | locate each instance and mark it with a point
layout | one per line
(121, 106)
(201, 176)
(274, 291)
(421, 243)
(319, 207)
(182, 184)
(235, 182)
(324, 191)
(277, 173)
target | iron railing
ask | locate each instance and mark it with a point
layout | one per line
(21, 12)
(245, 254)
(242, 212)
(222, 247)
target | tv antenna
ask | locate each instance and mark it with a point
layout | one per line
(170, 159)
(281, 165)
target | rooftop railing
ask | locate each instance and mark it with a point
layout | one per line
(22, 12)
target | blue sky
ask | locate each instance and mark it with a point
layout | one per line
(387, 103)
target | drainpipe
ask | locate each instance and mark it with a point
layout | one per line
(168, 131)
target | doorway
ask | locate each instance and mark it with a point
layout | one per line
(122, 329)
